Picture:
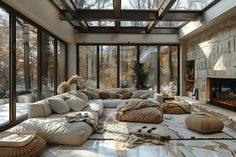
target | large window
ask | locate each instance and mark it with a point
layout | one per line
(128, 60)
(48, 65)
(26, 65)
(148, 67)
(61, 62)
(30, 60)
(4, 66)
(168, 65)
(88, 64)
(129, 66)
(108, 66)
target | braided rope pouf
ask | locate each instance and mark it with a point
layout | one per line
(33, 149)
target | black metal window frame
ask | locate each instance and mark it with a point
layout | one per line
(138, 57)
(13, 14)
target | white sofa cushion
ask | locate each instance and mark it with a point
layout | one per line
(39, 109)
(58, 105)
(76, 104)
(113, 103)
(96, 106)
(56, 130)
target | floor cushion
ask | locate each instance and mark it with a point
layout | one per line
(176, 107)
(203, 123)
(143, 115)
(137, 110)
(56, 130)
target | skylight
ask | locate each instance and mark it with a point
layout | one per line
(93, 4)
(191, 4)
(139, 5)
(101, 23)
(134, 23)
(171, 24)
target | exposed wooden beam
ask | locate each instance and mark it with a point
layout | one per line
(117, 10)
(163, 7)
(72, 13)
(128, 30)
(131, 15)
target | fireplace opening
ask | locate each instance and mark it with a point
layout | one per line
(222, 92)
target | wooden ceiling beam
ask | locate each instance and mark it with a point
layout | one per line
(163, 7)
(131, 15)
(117, 10)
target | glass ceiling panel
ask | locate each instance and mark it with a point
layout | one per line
(101, 23)
(139, 4)
(93, 4)
(191, 4)
(134, 23)
(174, 24)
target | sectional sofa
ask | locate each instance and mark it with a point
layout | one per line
(54, 128)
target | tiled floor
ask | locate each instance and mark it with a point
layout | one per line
(175, 148)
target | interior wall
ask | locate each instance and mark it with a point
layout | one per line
(214, 52)
(44, 13)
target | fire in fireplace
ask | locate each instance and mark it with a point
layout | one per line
(222, 92)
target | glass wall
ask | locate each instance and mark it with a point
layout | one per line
(26, 65)
(108, 66)
(88, 64)
(4, 66)
(168, 65)
(128, 60)
(48, 65)
(148, 67)
(143, 67)
(61, 62)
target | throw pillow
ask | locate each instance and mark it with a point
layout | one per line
(124, 94)
(136, 94)
(94, 93)
(103, 95)
(76, 104)
(145, 96)
(58, 105)
(82, 96)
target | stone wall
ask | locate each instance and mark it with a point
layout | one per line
(214, 52)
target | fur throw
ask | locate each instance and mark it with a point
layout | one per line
(63, 87)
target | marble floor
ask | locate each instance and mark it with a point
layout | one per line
(174, 148)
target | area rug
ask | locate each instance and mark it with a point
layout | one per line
(172, 126)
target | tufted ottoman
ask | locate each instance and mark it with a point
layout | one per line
(203, 123)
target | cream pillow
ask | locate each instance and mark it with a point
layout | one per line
(76, 104)
(58, 105)
(82, 96)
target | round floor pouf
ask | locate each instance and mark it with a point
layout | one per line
(33, 149)
(203, 123)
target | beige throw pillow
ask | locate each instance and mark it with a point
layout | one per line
(58, 105)
(145, 96)
(76, 104)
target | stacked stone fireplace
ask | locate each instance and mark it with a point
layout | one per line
(221, 92)
(214, 53)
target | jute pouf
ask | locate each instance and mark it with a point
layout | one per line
(33, 149)
(203, 123)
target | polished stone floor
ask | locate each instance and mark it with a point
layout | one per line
(174, 148)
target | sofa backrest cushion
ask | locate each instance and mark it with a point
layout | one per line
(79, 94)
(76, 104)
(39, 109)
(58, 105)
